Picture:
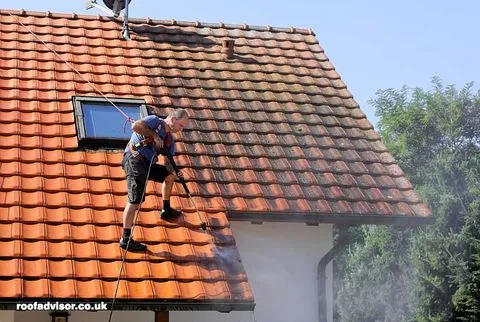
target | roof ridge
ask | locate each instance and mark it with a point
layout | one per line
(171, 22)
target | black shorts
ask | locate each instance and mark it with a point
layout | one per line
(136, 171)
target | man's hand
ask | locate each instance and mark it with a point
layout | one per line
(180, 174)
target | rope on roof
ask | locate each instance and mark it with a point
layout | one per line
(129, 119)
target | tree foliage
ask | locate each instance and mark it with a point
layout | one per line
(376, 289)
(435, 137)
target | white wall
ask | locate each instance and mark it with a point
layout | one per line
(7, 316)
(118, 316)
(78, 316)
(281, 262)
(32, 316)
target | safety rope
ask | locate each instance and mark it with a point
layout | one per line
(124, 253)
(129, 119)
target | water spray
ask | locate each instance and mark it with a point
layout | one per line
(182, 181)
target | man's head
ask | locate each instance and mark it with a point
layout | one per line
(177, 120)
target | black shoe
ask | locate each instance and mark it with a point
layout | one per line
(171, 213)
(133, 246)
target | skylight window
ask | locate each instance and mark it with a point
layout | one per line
(100, 124)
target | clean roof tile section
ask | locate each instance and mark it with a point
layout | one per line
(61, 207)
(275, 135)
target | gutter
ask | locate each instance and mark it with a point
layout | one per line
(142, 305)
(315, 218)
(322, 275)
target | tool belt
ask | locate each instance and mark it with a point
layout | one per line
(133, 149)
(132, 152)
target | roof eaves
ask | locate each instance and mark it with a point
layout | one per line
(322, 218)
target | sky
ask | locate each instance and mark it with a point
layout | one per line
(372, 44)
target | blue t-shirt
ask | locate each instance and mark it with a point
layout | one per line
(157, 125)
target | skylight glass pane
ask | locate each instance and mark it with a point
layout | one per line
(105, 121)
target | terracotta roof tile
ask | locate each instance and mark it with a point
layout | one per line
(59, 249)
(313, 192)
(10, 268)
(38, 288)
(382, 208)
(62, 269)
(166, 290)
(361, 208)
(274, 130)
(11, 288)
(90, 288)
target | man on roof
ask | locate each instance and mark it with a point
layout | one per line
(151, 135)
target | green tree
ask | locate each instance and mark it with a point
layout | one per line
(376, 279)
(435, 137)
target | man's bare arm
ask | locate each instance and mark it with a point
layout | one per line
(142, 128)
(168, 165)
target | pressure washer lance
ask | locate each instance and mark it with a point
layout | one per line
(182, 181)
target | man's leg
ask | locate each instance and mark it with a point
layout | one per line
(167, 186)
(168, 211)
(136, 183)
(127, 240)
(128, 214)
(159, 173)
